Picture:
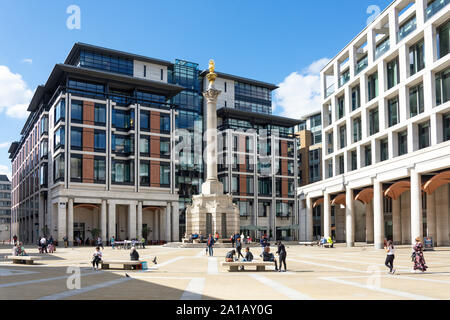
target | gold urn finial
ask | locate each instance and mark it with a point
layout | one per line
(211, 75)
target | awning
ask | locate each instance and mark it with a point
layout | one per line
(291, 227)
(253, 228)
(318, 202)
(340, 199)
(365, 196)
(437, 181)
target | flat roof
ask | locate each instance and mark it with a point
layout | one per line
(269, 86)
(257, 118)
(79, 45)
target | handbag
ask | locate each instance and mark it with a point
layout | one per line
(413, 256)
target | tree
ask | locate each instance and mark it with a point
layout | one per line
(95, 233)
(145, 231)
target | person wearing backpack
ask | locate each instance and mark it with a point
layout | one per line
(210, 244)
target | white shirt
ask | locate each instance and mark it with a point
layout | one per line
(43, 241)
(390, 251)
(98, 254)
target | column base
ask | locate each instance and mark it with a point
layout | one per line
(350, 245)
(211, 187)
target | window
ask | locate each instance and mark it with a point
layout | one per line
(122, 119)
(407, 27)
(341, 165)
(99, 170)
(402, 143)
(443, 34)
(356, 98)
(145, 121)
(76, 111)
(443, 87)
(344, 78)
(424, 135)
(107, 62)
(291, 168)
(164, 148)
(361, 64)
(263, 207)
(393, 111)
(43, 149)
(373, 121)
(384, 151)
(446, 126)
(100, 141)
(76, 138)
(165, 123)
(164, 174)
(59, 138)
(60, 111)
(225, 86)
(76, 168)
(248, 144)
(123, 144)
(235, 184)
(43, 175)
(416, 101)
(58, 167)
(368, 155)
(144, 146)
(416, 57)
(122, 172)
(357, 133)
(162, 74)
(393, 73)
(144, 173)
(354, 161)
(341, 108)
(265, 187)
(250, 185)
(100, 114)
(372, 83)
(44, 126)
(145, 71)
(342, 136)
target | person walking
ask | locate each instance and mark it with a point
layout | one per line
(239, 248)
(232, 241)
(418, 258)
(97, 258)
(66, 241)
(100, 242)
(390, 250)
(281, 251)
(210, 244)
(112, 240)
(44, 245)
(263, 243)
(15, 239)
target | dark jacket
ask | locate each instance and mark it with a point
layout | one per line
(210, 242)
(267, 256)
(229, 255)
(281, 250)
(134, 255)
(238, 245)
(249, 256)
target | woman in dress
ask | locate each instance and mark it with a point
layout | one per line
(419, 260)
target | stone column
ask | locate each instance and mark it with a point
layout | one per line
(62, 222)
(103, 227)
(416, 206)
(396, 222)
(41, 217)
(176, 222)
(405, 213)
(70, 223)
(369, 222)
(168, 223)
(431, 218)
(309, 219)
(161, 224)
(326, 215)
(112, 221)
(442, 215)
(378, 215)
(132, 221)
(349, 218)
(139, 220)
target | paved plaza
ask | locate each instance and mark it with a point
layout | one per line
(313, 273)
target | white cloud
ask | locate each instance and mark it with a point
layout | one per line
(14, 94)
(299, 94)
(27, 60)
(5, 170)
(4, 145)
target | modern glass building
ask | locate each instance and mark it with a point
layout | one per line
(5, 208)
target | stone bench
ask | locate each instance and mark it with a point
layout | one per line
(260, 265)
(23, 259)
(325, 245)
(310, 243)
(126, 264)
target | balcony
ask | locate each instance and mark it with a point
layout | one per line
(407, 28)
(361, 65)
(435, 7)
(345, 77)
(329, 91)
(382, 48)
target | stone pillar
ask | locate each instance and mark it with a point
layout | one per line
(416, 206)
(378, 215)
(161, 216)
(112, 221)
(349, 218)
(132, 221)
(139, 221)
(103, 227)
(442, 215)
(176, 222)
(309, 219)
(369, 222)
(431, 218)
(41, 217)
(168, 223)
(326, 215)
(62, 222)
(70, 223)
(396, 222)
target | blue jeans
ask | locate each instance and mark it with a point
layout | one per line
(210, 250)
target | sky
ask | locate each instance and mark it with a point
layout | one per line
(282, 42)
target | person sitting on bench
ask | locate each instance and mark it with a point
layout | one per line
(248, 257)
(268, 256)
(330, 242)
(134, 256)
(230, 256)
(323, 241)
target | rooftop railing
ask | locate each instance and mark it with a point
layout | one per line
(407, 28)
(435, 7)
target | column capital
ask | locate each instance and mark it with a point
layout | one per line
(212, 95)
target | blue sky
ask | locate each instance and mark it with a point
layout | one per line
(282, 42)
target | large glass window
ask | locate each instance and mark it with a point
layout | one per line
(100, 140)
(100, 114)
(393, 111)
(446, 126)
(372, 83)
(354, 160)
(76, 162)
(416, 57)
(144, 173)
(342, 136)
(164, 177)
(123, 119)
(373, 121)
(59, 138)
(144, 146)
(443, 33)
(393, 73)
(110, 63)
(76, 111)
(145, 121)
(43, 149)
(76, 138)
(443, 87)
(122, 172)
(164, 123)
(58, 168)
(99, 170)
(407, 27)
(357, 132)
(424, 135)
(416, 101)
(122, 144)
(341, 165)
(265, 186)
(86, 89)
(60, 111)
(164, 148)
(368, 155)
(341, 107)
(356, 98)
(402, 143)
(384, 150)
(44, 126)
